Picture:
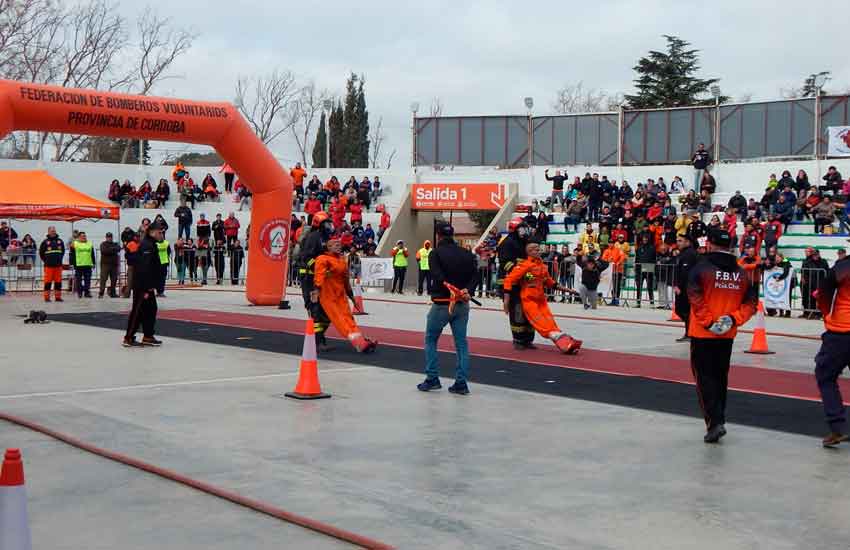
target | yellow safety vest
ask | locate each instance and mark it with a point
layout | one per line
(83, 254)
(162, 248)
(423, 258)
(400, 260)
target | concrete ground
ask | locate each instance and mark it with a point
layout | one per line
(499, 469)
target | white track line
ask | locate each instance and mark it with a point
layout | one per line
(173, 384)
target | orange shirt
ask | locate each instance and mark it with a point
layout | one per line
(534, 278)
(331, 277)
(833, 297)
(615, 257)
(718, 286)
(298, 175)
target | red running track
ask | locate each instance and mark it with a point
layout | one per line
(757, 380)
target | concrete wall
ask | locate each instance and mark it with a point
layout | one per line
(413, 227)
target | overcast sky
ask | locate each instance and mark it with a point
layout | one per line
(484, 57)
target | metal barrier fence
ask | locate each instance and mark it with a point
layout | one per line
(637, 284)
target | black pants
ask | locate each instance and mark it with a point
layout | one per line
(424, 281)
(163, 275)
(710, 365)
(83, 280)
(820, 223)
(683, 309)
(218, 264)
(108, 272)
(228, 183)
(831, 360)
(521, 329)
(649, 277)
(398, 277)
(142, 313)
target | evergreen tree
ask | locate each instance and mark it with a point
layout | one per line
(351, 133)
(667, 79)
(337, 131)
(320, 144)
(362, 129)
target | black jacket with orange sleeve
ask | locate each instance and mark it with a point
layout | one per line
(718, 286)
(834, 297)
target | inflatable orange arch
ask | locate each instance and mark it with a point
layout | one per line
(25, 106)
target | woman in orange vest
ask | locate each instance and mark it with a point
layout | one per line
(331, 283)
(534, 278)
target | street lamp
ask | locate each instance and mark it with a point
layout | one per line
(414, 108)
(328, 104)
(715, 91)
(529, 104)
(818, 81)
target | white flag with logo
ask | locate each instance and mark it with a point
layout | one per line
(839, 141)
(373, 270)
(777, 292)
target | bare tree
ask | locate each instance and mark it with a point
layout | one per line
(575, 98)
(390, 158)
(267, 103)
(436, 109)
(95, 37)
(160, 44)
(377, 138)
(306, 108)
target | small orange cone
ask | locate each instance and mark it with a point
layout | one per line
(759, 344)
(14, 521)
(308, 375)
(674, 317)
(358, 299)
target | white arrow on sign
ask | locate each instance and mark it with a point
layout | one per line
(498, 199)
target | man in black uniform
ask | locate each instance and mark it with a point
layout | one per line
(453, 265)
(511, 252)
(313, 247)
(685, 261)
(145, 281)
(722, 299)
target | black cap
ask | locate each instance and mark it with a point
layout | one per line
(446, 230)
(720, 237)
(156, 225)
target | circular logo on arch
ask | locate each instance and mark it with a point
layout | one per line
(274, 239)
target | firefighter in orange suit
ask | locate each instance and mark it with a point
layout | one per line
(722, 298)
(52, 252)
(533, 278)
(334, 291)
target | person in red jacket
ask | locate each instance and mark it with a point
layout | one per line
(722, 298)
(833, 301)
(231, 229)
(384, 223)
(337, 212)
(750, 239)
(356, 210)
(311, 207)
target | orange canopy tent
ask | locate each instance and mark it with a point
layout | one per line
(36, 195)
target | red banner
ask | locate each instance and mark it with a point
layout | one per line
(458, 196)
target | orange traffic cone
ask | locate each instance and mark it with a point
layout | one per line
(759, 344)
(674, 317)
(14, 521)
(308, 376)
(358, 299)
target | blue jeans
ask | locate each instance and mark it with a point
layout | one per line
(438, 318)
(844, 223)
(181, 228)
